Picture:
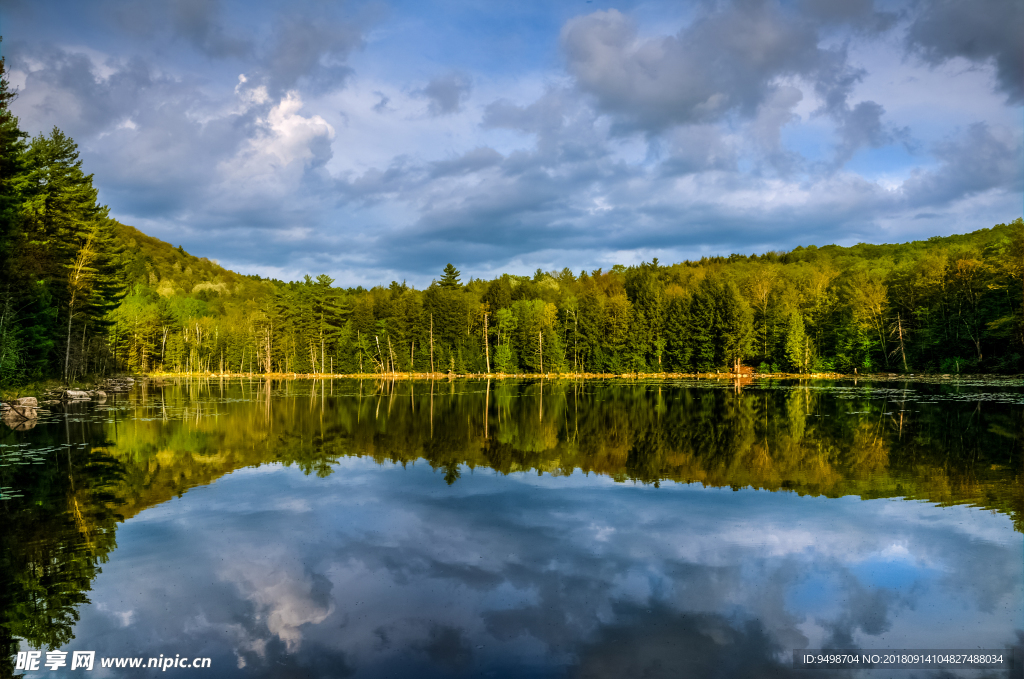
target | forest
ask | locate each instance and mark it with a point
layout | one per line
(83, 295)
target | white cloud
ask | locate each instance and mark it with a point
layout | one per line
(734, 130)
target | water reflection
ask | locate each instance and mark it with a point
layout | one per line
(313, 556)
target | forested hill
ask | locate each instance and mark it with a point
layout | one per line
(151, 260)
(82, 294)
(949, 304)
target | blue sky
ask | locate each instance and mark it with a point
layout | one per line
(376, 140)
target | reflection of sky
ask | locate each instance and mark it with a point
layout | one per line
(379, 570)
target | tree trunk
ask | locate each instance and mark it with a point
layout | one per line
(540, 340)
(903, 353)
(67, 350)
(487, 346)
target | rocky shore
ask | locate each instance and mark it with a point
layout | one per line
(21, 414)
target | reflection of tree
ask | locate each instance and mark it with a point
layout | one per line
(53, 538)
(772, 437)
(792, 438)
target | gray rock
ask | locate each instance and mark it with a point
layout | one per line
(75, 395)
(28, 401)
(20, 418)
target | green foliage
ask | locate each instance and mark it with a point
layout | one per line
(61, 260)
(450, 277)
(85, 294)
(797, 345)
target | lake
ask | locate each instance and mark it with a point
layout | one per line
(618, 528)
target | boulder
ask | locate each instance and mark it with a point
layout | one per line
(27, 401)
(20, 418)
(99, 395)
(75, 395)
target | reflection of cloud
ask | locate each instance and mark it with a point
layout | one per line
(655, 641)
(391, 571)
(285, 596)
(867, 611)
(446, 646)
(602, 533)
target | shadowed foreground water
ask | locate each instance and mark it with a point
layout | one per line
(509, 529)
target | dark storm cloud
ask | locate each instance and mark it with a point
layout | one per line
(857, 126)
(474, 160)
(766, 132)
(978, 30)
(698, 148)
(138, 129)
(70, 85)
(306, 42)
(980, 159)
(860, 127)
(545, 116)
(724, 61)
(198, 22)
(519, 210)
(446, 93)
(857, 13)
(729, 60)
(312, 48)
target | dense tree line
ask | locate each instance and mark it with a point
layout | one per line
(944, 305)
(58, 255)
(83, 294)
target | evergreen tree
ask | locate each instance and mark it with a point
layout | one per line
(450, 278)
(12, 185)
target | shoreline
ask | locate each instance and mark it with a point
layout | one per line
(396, 376)
(40, 389)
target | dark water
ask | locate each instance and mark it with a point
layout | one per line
(514, 529)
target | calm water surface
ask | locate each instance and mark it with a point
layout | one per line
(514, 529)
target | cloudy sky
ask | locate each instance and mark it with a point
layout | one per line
(379, 139)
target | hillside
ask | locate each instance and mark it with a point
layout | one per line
(945, 304)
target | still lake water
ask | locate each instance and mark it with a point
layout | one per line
(515, 528)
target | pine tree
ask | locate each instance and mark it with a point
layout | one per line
(450, 278)
(12, 177)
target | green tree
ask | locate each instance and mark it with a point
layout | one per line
(797, 343)
(644, 291)
(450, 277)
